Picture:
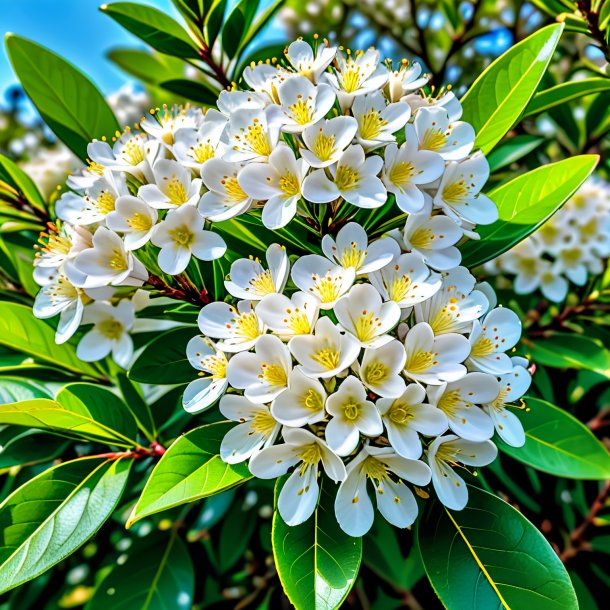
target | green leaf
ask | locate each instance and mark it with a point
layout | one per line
(138, 406)
(557, 443)
(512, 150)
(213, 21)
(14, 176)
(21, 331)
(101, 405)
(154, 27)
(14, 389)
(67, 100)
(500, 94)
(189, 470)
(317, 562)
(73, 421)
(570, 351)
(158, 574)
(566, 92)
(525, 203)
(191, 90)
(148, 67)
(53, 514)
(490, 556)
(19, 447)
(164, 360)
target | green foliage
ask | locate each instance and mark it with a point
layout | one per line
(316, 561)
(55, 513)
(489, 556)
(557, 443)
(67, 100)
(191, 469)
(525, 203)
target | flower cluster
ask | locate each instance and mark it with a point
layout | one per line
(569, 247)
(374, 367)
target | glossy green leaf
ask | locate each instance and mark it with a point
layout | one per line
(213, 21)
(151, 68)
(14, 176)
(500, 94)
(154, 27)
(74, 421)
(525, 203)
(570, 351)
(137, 406)
(317, 562)
(189, 470)
(101, 405)
(14, 389)
(557, 443)
(55, 513)
(191, 90)
(490, 556)
(67, 100)
(21, 447)
(158, 574)
(164, 360)
(566, 92)
(20, 330)
(512, 150)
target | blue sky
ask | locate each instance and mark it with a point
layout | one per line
(75, 29)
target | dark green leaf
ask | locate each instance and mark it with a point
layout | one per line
(148, 67)
(490, 556)
(138, 406)
(164, 360)
(566, 92)
(500, 94)
(190, 469)
(154, 27)
(525, 203)
(512, 150)
(67, 100)
(557, 443)
(14, 389)
(14, 176)
(19, 447)
(316, 561)
(158, 574)
(54, 513)
(213, 21)
(191, 90)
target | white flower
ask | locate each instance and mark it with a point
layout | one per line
(458, 193)
(381, 367)
(352, 415)
(434, 360)
(165, 122)
(257, 429)
(299, 495)
(447, 100)
(406, 416)
(135, 219)
(327, 352)
(225, 198)
(173, 188)
(513, 385)
(133, 153)
(287, 317)
(302, 403)
(250, 280)
(278, 183)
(301, 56)
(354, 178)
(97, 201)
(262, 78)
(326, 140)
(239, 328)
(447, 452)
(454, 307)
(59, 245)
(303, 103)
(362, 313)
(315, 275)
(110, 333)
(407, 281)
(205, 391)
(434, 238)
(357, 75)
(458, 400)
(351, 248)
(498, 332)
(406, 169)
(192, 148)
(378, 121)
(395, 501)
(453, 141)
(405, 80)
(180, 236)
(252, 134)
(107, 262)
(263, 375)
(233, 101)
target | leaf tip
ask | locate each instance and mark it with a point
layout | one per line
(103, 7)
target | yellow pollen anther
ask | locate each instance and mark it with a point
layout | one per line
(327, 357)
(347, 178)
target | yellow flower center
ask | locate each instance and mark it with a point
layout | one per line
(182, 236)
(327, 288)
(367, 326)
(498, 403)
(263, 423)
(262, 283)
(400, 288)
(297, 321)
(374, 469)
(444, 318)
(483, 346)
(400, 412)
(420, 362)
(352, 256)
(256, 139)
(175, 190)
(110, 328)
(105, 202)
(324, 146)
(61, 289)
(216, 364)
(401, 173)
(234, 192)
(350, 77)
(118, 260)
(202, 152)
(132, 151)
(290, 185)
(311, 455)
(139, 222)
(95, 168)
(375, 373)
(246, 326)
(450, 402)
(422, 238)
(274, 374)
(434, 139)
(347, 178)
(455, 192)
(327, 357)
(312, 401)
(301, 111)
(371, 124)
(351, 411)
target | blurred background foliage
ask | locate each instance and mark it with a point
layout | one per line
(217, 553)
